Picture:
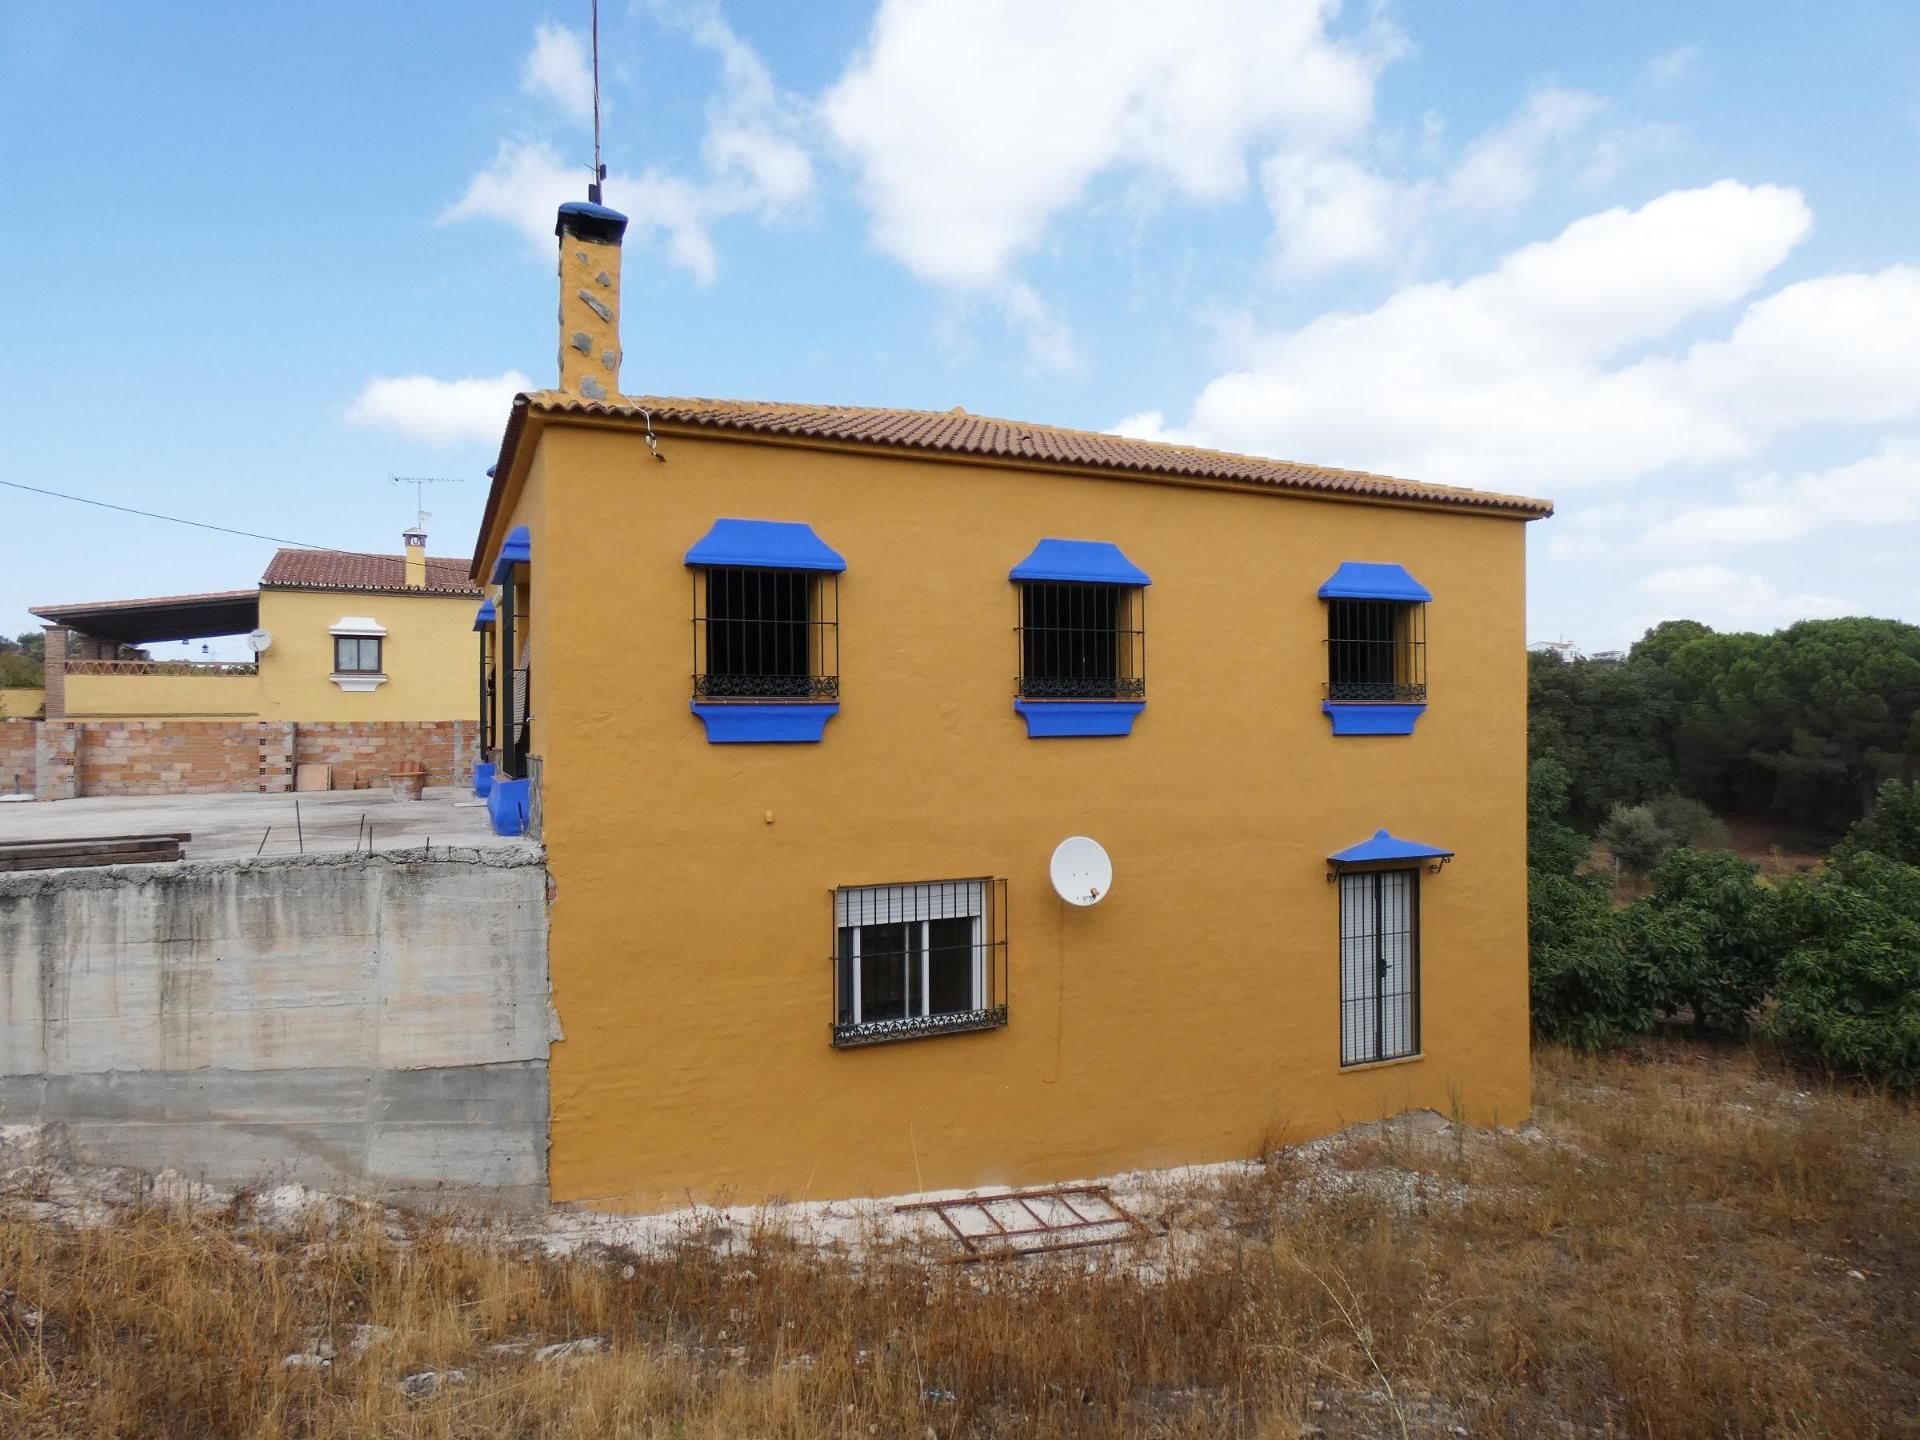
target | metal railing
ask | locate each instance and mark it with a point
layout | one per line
(163, 667)
(1082, 641)
(1376, 652)
(765, 635)
(911, 961)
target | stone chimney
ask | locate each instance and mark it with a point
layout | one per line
(416, 557)
(590, 238)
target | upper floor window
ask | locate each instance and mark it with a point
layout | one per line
(1376, 649)
(357, 654)
(766, 631)
(1082, 638)
(914, 960)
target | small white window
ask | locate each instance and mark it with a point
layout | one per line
(912, 960)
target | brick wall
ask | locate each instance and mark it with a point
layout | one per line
(363, 752)
(18, 739)
(58, 760)
(183, 757)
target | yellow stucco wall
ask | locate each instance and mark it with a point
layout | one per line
(20, 702)
(1189, 1016)
(430, 659)
(430, 656)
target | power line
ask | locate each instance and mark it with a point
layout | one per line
(172, 519)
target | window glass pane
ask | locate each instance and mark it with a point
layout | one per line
(950, 966)
(884, 953)
(759, 633)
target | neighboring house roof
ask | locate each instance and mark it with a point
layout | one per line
(160, 617)
(350, 570)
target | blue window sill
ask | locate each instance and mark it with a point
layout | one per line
(483, 778)
(1048, 718)
(765, 724)
(1372, 719)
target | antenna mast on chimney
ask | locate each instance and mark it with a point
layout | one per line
(599, 170)
(420, 483)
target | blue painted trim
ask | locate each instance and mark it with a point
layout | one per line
(1096, 561)
(1385, 847)
(485, 616)
(764, 724)
(1049, 718)
(1349, 719)
(507, 805)
(483, 777)
(517, 549)
(765, 545)
(590, 221)
(1361, 580)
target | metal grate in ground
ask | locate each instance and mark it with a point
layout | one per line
(1034, 1222)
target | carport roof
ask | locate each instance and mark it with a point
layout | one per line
(163, 617)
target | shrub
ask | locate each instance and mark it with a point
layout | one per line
(1586, 991)
(1553, 846)
(1635, 837)
(1848, 994)
(1710, 937)
(1689, 822)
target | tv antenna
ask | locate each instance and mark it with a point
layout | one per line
(420, 483)
(599, 170)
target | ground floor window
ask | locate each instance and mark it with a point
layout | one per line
(1379, 965)
(922, 959)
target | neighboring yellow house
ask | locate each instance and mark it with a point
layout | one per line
(347, 647)
(820, 691)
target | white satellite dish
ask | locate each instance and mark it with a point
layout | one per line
(259, 641)
(1082, 873)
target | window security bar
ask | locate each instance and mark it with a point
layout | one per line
(918, 960)
(1082, 641)
(766, 635)
(1376, 652)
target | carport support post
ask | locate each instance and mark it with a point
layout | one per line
(55, 666)
(505, 691)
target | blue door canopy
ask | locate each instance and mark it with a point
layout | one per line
(517, 550)
(765, 545)
(484, 616)
(1385, 849)
(1364, 580)
(1090, 561)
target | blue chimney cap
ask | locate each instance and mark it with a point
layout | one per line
(590, 222)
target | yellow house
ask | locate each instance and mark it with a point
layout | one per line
(344, 644)
(822, 690)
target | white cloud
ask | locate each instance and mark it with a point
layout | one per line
(1151, 425)
(1733, 599)
(754, 162)
(1880, 490)
(972, 123)
(1331, 210)
(441, 412)
(1536, 376)
(559, 69)
(1671, 66)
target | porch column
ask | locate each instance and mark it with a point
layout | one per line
(55, 666)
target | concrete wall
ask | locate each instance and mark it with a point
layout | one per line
(343, 1021)
(19, 755)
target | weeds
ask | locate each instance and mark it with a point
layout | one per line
(1684, 1246)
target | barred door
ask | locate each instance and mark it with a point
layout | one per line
(1379, 965)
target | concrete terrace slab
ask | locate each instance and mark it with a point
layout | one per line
(228, 827)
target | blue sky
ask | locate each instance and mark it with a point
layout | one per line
(1655, 262)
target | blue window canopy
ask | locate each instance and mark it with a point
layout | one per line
(1360, 718)
(1387, 849)
(517, 550)
(1052, 719)
(484, 616)
(738, 724)
(1363, 580)
(765, 545)
(1092, 561)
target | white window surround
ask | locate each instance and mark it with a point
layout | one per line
(358, 625)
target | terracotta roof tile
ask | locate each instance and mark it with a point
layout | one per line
(351, 570)
(958, 432)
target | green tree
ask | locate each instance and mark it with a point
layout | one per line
(1553, 846)
(1848, 993)
(1610, 725)
(1635, 838)
(1892, 827)
(1710, 937)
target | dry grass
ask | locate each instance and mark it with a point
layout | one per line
(1688, 1245)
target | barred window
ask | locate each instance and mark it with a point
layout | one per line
(1376, 651)
(1379, 965)
(1082, 641)
(915, 960)
(763, 634)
